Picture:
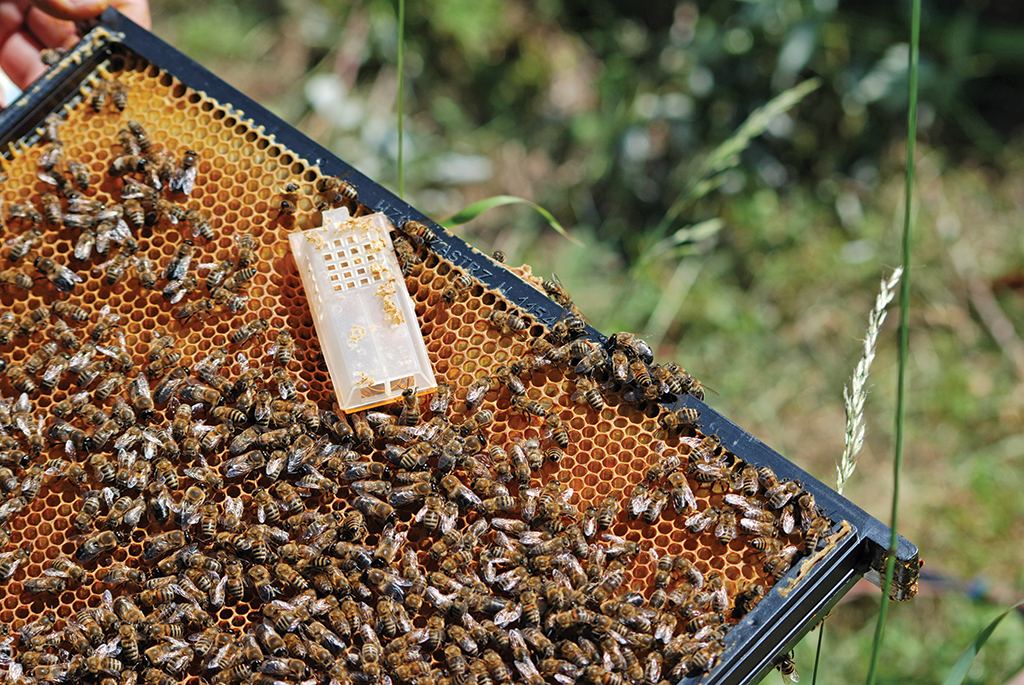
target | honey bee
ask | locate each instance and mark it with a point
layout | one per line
(51, 56)
(253, 328)
(639, 499)
(140, 396)
(18, 377)
(682, 496)
(98, 544)
(51, 208)
(245, 248)
(586, 391)
(633, 346)
(81, 176)
(104, 664)
(145, 271)
(787, 668)
(165, 362)
(458, 286)
(674, 421)
(218, 274)
(184, 178)
(100, 92)
(175, 291)
(141, 136)
(10, 561)
(656, 505)
(129, 642)
(336, 191)
(477, 391)
(159, 545)
(7, 324)
(725, 530)
(816, 530)
(504, 375)
(127, 164)
(701, 520)
(747, 598)
(38, 358)
(239, 278)
(531, 407)
(779, 495)
(590, 362)
(25, 213)
(68, 311)
(285, 385)
(787, 519)
(375, 508)
(430, 514)
(118, 574)
(63, 278)
(199, 307)
(169, 384)
(507, 322)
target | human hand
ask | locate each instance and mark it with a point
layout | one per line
(28, 26)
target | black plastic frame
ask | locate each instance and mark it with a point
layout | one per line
(778, 622)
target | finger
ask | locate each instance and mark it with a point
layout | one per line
(19, 58)
(11, 19)
(48, 31)
(136, 10)
(72, 10)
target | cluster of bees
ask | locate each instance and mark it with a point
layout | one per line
(401, 545)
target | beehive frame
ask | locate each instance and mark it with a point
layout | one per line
(769, 629)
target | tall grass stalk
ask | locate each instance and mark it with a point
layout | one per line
(901, 386)
(401, 92)
(854, 396)
(856, 392)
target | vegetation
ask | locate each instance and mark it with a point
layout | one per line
(608, 114)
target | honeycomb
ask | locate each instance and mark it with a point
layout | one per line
(535, 518)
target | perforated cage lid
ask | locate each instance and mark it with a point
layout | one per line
(364, 317)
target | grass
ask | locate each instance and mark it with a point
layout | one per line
(901, 383)
(771, 317)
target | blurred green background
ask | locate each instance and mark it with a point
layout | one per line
(603, 112)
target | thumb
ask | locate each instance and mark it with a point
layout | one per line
(72, 10)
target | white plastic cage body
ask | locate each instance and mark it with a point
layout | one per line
(364, 316)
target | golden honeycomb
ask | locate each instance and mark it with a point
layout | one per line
(243, 187)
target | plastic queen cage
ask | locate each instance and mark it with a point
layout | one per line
(186, 500)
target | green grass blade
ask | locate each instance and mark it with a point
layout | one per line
(401, 89)
(963, 664)
(707, 178)
(817, 653)
(477, 208)
(901, 386)
(726, 155)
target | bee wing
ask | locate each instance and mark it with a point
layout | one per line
(179, 294)
(109, 495)
(135, 511)
(449, 512)
(142, 386)
(697, 522)
(274, 466)
(23, 405)
(217, 593)
(510, 614)
(112, 648)
(638, 503)
(787, 522)
(233, 506)
(560, 577)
